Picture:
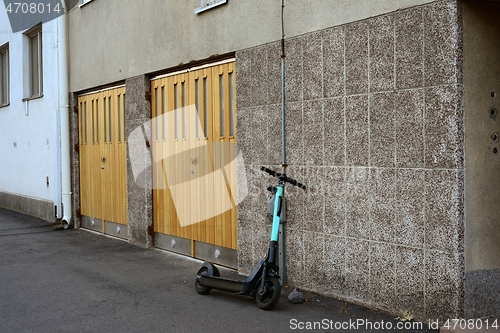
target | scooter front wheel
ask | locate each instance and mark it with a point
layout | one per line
(201, 289)
(266, 299)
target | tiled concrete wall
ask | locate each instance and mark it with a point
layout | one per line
(75, 160)
(140, 195)
(374, 122)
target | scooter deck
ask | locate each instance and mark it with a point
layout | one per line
(233, 286)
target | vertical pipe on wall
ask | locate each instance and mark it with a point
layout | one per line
(55, 182)
(283, 138)
(282, 229)
(64, 113)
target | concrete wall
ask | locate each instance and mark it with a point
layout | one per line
(29, 140)
(375, 130)
(375, 127)
(119, 39)
(482, 165)
(482, 93)
(75, 160)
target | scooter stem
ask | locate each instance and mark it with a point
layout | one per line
(277, 213)
(263, 280)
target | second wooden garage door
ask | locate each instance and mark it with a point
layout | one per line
(194, 169)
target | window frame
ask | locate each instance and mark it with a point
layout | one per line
(35, 32)
(84, 2)
(206, 5)
(4, 75)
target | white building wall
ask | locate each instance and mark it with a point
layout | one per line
(29, 129)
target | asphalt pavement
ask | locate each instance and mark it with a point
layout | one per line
(55, 280)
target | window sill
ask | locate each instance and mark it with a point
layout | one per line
(31, 98)
(202, 9)
(84, 3)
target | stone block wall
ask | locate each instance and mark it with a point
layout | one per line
(75, 159)
(140, 194)
(374, 128)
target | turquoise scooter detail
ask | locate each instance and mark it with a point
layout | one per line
(263, 283)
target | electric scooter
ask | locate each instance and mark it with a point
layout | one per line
(263, 283)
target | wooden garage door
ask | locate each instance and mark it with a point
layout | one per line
(194, 154)
(103, 167)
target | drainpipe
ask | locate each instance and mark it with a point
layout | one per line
(283, 136)
(64, 114)
(282, 239)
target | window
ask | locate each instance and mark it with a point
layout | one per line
(4, 75)
(35, 63)
(84, 2)
(208, 4)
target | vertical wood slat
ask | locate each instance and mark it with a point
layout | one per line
(208, 93)
(174, 83)
(83, 120)
(233, 140)
(217, 138)
(156, 213)
(226, 157)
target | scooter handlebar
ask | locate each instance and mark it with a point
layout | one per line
(269, 171)
(283, 177)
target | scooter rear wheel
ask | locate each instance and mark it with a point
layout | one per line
(201, 289)
(267, 299)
